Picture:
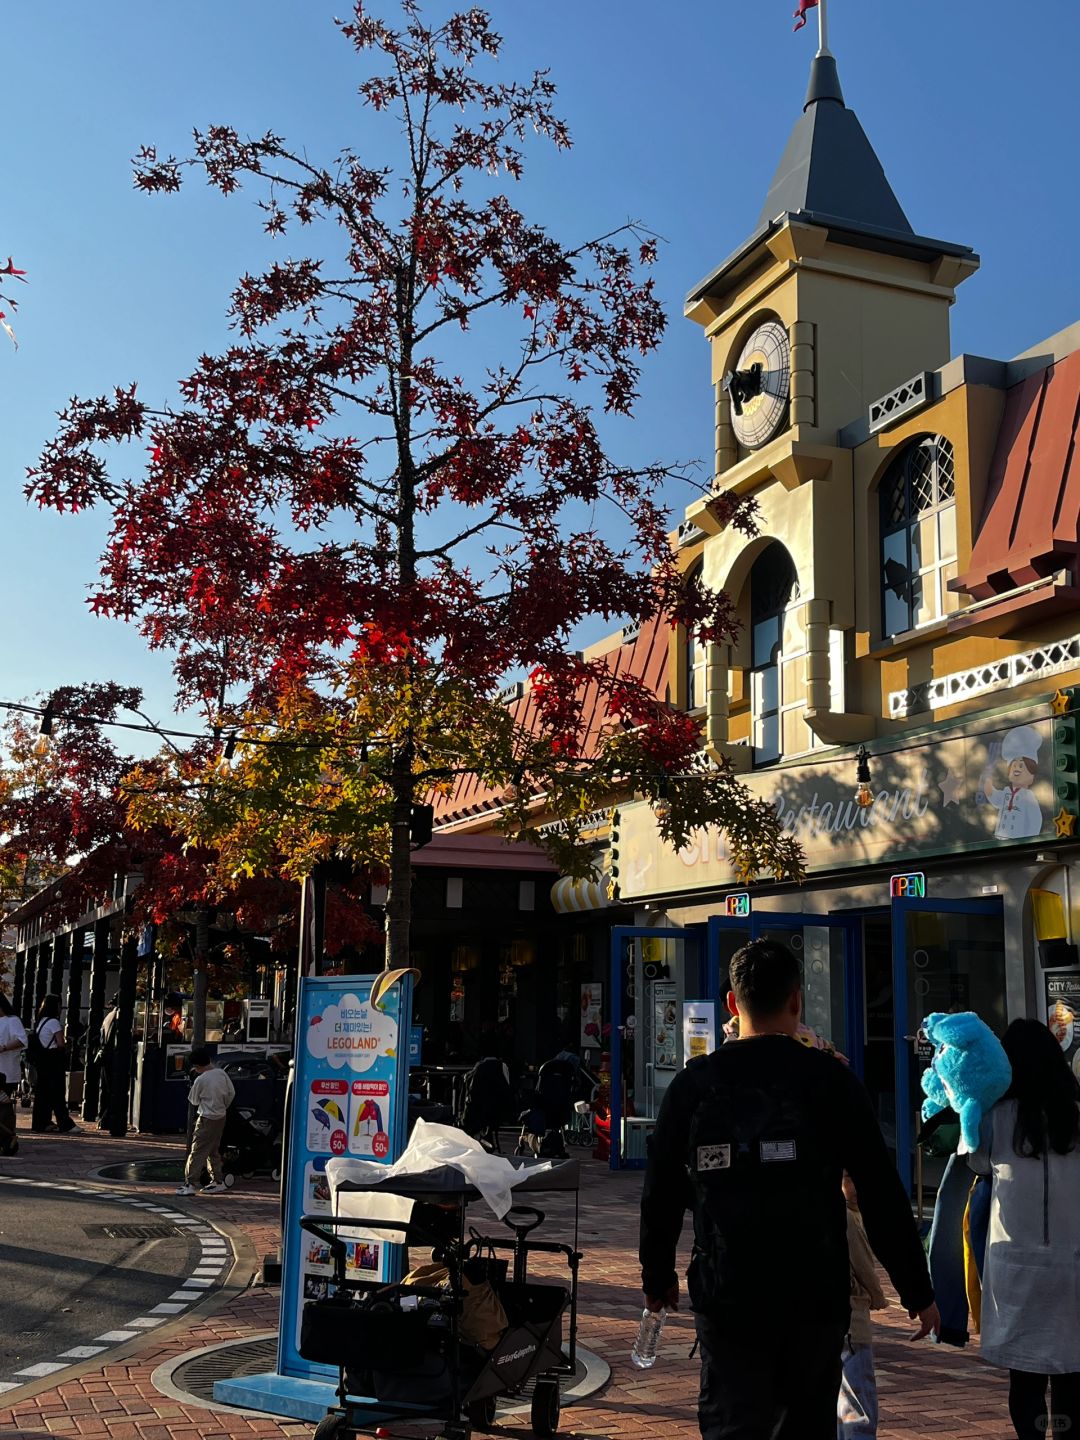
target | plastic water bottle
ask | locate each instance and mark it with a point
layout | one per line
(643, 1355)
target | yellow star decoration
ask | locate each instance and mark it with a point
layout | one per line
(1064, 823)
(1059, 705)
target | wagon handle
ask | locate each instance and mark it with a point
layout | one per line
(521, 1228)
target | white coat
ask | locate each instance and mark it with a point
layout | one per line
(1031, 1276)
(1020, 815)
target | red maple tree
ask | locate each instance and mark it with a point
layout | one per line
(399, 453)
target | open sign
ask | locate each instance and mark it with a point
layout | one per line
(908, 887)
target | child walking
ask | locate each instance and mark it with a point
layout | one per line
(857, 1405)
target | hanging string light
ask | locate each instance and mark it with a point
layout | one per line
(45, 730)
(864, 796)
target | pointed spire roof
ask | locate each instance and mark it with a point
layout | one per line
(829, 175)
(829, 167)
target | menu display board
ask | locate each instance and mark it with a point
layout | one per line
(699, 1028)
(1063, 1012)
(349, 1097)
(592, 1007)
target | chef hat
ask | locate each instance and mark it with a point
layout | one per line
(1023, 743)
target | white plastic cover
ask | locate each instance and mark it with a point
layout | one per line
(363, 1205)
(431, 1147)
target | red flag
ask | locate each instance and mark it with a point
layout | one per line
(800, 13)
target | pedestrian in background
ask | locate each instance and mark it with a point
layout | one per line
(12, 1044)
(857, 1409)
(48, 1054)
(761, 1132)
(106, 1060)
(1030, 1147)
(211, 1095)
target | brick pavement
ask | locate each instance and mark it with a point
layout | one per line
(924, 1390)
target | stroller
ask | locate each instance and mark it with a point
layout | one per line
(561, 1085)
(486, 1102)
(9, 1138)
(254, 1122)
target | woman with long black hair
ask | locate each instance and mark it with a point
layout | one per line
(1031, 1279)
(49, 1056)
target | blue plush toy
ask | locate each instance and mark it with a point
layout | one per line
(969, 1072)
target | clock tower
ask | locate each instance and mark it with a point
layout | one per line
(832, 301)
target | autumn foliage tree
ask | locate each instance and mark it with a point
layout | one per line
(65, 815)
(390, 490)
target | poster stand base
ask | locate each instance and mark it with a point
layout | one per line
(274, 1394)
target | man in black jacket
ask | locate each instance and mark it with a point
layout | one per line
(756, 1138)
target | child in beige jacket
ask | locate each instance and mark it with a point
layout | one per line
(857, 1405)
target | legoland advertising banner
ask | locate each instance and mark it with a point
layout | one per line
(349, 1097)
(970, 789)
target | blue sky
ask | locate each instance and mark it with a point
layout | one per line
(679, 114)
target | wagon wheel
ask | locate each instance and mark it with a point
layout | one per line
(482, 1414)
(546, 1408)
(332, 1427)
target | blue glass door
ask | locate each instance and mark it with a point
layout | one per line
(652, 972)
(947, 955)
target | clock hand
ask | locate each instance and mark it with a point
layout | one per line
(743, 385)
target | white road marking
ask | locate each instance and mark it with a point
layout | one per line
(215, 1253)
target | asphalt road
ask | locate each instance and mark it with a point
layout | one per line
(65, 1282)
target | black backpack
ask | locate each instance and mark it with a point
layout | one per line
(35, 1050)
(766, 1194)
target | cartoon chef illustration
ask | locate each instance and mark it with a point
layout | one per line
(1019, 813)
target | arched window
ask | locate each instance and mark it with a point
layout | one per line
(694, 661)
(918, 536)
(773, 585)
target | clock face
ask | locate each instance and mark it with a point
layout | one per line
(760, 386)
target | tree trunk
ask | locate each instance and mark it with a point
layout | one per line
(202, 960)
(399, 893)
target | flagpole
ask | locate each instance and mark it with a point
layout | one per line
(823, 28)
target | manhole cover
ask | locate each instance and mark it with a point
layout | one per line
(130, 1232)
(198, 1375)
(146, 1172)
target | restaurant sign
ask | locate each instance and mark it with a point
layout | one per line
(976, 788)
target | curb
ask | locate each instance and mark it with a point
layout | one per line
(237, 1280)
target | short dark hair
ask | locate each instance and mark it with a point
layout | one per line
(200, 1055)
(764, 976)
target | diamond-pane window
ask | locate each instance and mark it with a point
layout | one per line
(919, 484)
(921, 472)
(946, 470)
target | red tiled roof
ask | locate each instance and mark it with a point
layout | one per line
(1031, 523)
(646, 658)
